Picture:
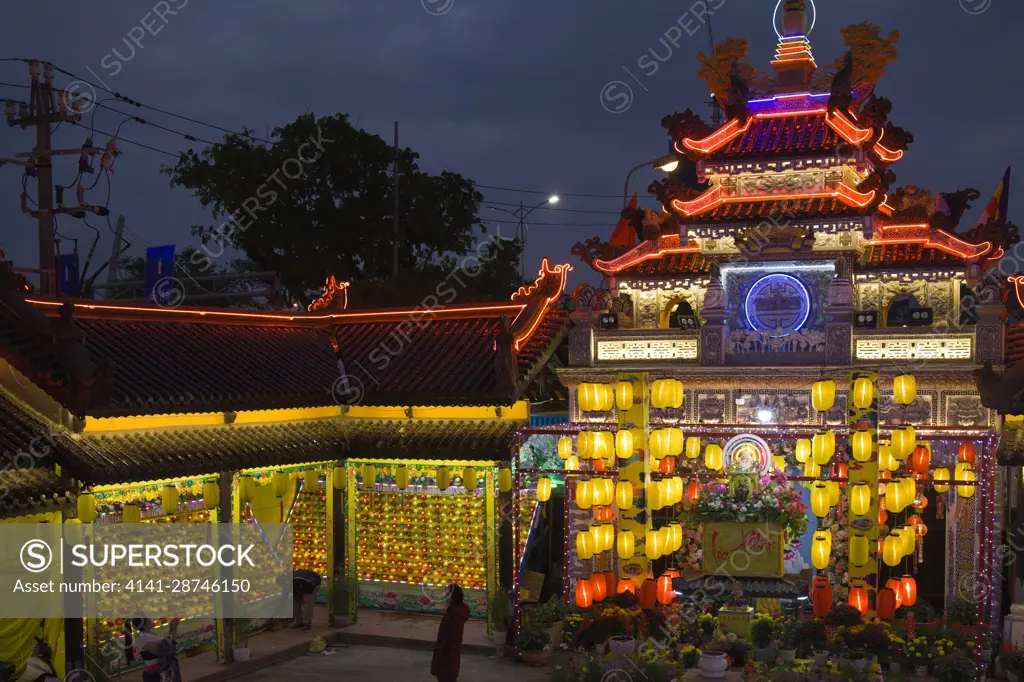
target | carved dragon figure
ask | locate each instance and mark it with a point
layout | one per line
(872, 54)
(1002, 234)
(875, 113)
(958, 203)
(896, 138)
(596, 248)
(686, 124)
(717, 71)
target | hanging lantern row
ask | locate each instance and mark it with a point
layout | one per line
(595, 397)
(597, 491)
(666, 443)
(823, 447)
(663, 541)
(665, 493)
(665, 393)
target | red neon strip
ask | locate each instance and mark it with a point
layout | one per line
(885, 154)
(712, 199)
(1017, 280)
(938, 240)
(847, 129)
(716, 139)
(648, 250)
(563, 272)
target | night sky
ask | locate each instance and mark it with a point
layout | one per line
(506, 93)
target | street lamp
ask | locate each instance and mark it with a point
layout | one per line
(667, 163)
(521, 228)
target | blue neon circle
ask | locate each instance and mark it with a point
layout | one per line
(754, 320)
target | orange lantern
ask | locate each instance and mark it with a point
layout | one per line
(913, 521)
(894, 585)
(920, 460)
(626, 585)
(886, 606)
(603, 514)
(599, 587)
(672, 573)
(840, 470)
(648, 594)
(584, 594)
(908, 587)
(692, 491)
(666, 595)
(882, 516)
(920, 502)
(667, 465)
(967, 453)
(599, 465)
(859, 598)
(920, 530)
(821, 596)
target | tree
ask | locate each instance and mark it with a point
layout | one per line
(318, 201)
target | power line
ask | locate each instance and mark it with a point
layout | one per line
(546, 208)
(540, 191)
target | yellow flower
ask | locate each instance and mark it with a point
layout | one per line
(942, 651)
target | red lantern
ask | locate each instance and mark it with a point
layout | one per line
(840, 470)
(584, 594)
(966, 453)
(692, 492)
(908, 586)
(882, 504)
(859, 599)
(599, 465)
(603, 514)
(920, 460)
(648, 594)
(666, 595)
(610, 582)
(821, 596)
(598, 587)
(920, 502)
(913, 521)
(886, 606)
(667, 465)
(626, 585)
(882, 516)
(894, 585)
(672, 573)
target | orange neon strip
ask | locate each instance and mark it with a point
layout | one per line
(562, 270)
(643, 252)
(847, 129)
(1017, 280)
(945, 242)
(706, 202)
(716, 139)
(332, 317)
(885, 208)
(885, 154)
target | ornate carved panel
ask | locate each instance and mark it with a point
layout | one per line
(713, 407)
(581, 347)
(921, 412)
(965, 410)
(711, 345)
(989, 341)
(838, 344)
(788, 407)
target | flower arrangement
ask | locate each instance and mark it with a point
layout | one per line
(843, 615)
(788, 632)
(954, 668)
(1013, 659)
(872, 638)
(811, 636)
(776, 502)
(689, 655)
(548, 613)
(571, 627)
(762, 630)
(706, 625)
(534, 638)
(917, 651)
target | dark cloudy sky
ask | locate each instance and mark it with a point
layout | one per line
(506, 93)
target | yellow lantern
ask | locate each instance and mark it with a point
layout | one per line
(667, 393)
(595, 397)
(965, 474)
(86, 505)
(904, 389)
(169, 499)
(941, 474)
(861, 444)
(675, 486)
(607, 488)
(779, 462)
(659, 443)
(909, 489)
(811, 469)
(584, 495)
(131, 513)
(211, 494)
(859, 549)
(666, 540)
(655, 495)
(443, 479)
(892, 550)
(469, 479)
(823, 446)
(402, 478)
(677, 534)
(823, 395)
(280, 480)
(597, 539)
(713, 456)
(692, 447)
(802, 452)
(863, 392)
(369, 477)
(607, 392)
(624, 495)
(586, 396)
(860, 498)
(604, 445)
(607, 537)
(886, 462)
(675, 442)
(820, 499)
(584, 545)
(896, 497)
(652, 545)
(246, 488)
(624, 444)
(504, 479)
(565, 447)
(544, 489)
(909, 540)
(572, 464)
(623, 395)
(585, 444)
(626, 544)
(833, 492)
(904, 439)
(821, 550)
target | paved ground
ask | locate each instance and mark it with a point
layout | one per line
(383, 664)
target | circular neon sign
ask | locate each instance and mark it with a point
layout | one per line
(775, 14)
(747, 454)
(777, 302)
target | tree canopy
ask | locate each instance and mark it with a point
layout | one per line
(318, 201)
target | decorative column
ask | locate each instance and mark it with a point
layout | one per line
(990, 331)
(714, 332)
(865, 419)
(636, 470)
(839, 317)
(581, 340)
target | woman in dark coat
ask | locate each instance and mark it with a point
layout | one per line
(448, 649)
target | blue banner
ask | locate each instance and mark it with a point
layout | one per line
(67, 274)
(159, 265)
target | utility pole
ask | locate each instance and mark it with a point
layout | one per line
(395, 192)
(47, 106)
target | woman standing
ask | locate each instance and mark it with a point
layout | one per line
(448, 649)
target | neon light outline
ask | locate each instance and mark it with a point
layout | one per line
(636, 255)
(814, 20)
(944, 242)
(1017, 280)
(562, 270)
(864, 133)
(710, 143)
(801, 289)
(747, 439)
(843, 191)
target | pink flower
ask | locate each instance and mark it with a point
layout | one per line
(425, 600)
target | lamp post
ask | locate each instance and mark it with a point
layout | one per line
(667, 163)
(521, 227)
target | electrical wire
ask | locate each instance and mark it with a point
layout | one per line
(488, 202)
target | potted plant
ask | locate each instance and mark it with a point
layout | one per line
(962, 616)
(240, 640)
(762, 632)
(550, 616)
(498, 615)
(954, 668)
(843, 615)
(534, 644)
(1013, 662)
(812, 639)
(917, 655)
(897, 653)
(689, 656)
(788, 640)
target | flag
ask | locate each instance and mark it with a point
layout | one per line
(624, 235)
(998, 204)
(159, 265)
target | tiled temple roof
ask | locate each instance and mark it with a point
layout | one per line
(806, 134)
